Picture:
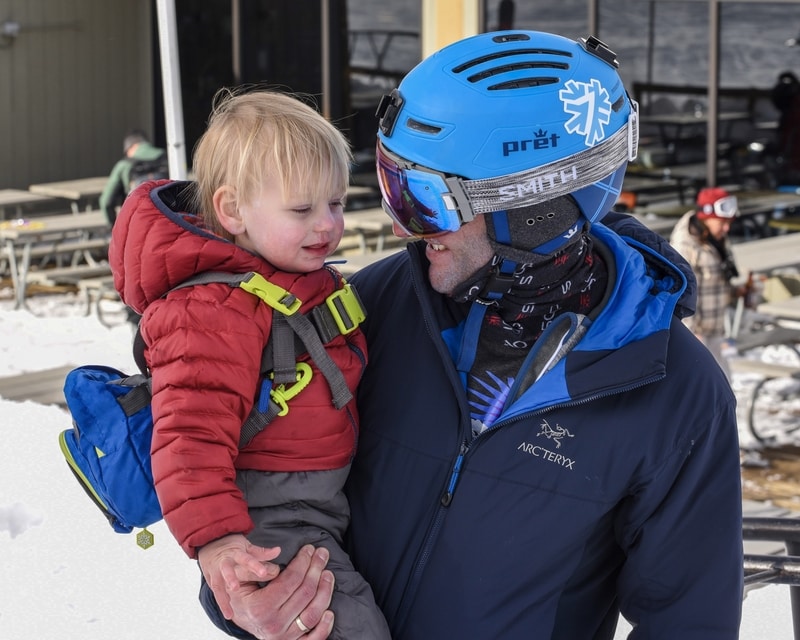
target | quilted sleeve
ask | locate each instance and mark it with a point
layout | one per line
(204, 351)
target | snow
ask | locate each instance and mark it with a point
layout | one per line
(66, 574)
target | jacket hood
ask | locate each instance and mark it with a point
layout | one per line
(624, 346)
(630, 228)
(167, 245)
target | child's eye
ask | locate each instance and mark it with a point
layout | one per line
(337, 203)
(303, 211)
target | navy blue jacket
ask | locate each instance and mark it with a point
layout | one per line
(610, 484)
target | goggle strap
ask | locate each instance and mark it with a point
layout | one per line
(633, 131)
(465, 209)
(549, 181)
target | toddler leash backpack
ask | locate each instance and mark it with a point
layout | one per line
(108, 446)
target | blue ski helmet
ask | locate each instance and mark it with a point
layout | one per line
(502, 121)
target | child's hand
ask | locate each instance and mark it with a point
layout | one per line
(231, 562)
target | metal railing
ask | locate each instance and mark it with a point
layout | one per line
(775, 569)
(379, 44)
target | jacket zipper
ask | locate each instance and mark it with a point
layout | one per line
(447, 498)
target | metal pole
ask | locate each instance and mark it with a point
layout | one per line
(592, 19)
(793, 549)
(713, 92)
(236, 40)
(171, 78)
(325, 14)
(651, 40)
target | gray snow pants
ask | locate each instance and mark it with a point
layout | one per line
(309, 507)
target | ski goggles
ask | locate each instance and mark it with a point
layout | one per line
(422, 201)
(425, 202)
(727, 207)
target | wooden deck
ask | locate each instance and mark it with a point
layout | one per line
(42, 387)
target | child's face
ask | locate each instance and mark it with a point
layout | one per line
(294, 235)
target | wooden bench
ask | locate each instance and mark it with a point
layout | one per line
(44, 387)
(56, 250)
(369, 225)
(71, 275)
(787, 336)
(66, 247)
(357, 261)
(767, 369)
(785, 224)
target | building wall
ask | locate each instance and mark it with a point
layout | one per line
(75, 78)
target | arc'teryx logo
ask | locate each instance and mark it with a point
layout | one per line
(590, 106)
(554, 434)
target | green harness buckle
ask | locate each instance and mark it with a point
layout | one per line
(346, 308)
(275, 296)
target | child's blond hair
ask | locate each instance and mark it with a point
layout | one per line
(263, 133)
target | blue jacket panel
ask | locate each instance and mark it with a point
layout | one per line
(609, 484)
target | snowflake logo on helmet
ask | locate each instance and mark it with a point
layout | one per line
(590, 106)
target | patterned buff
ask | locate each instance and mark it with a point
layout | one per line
(572, 280)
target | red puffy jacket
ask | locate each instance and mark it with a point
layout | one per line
(204, 346)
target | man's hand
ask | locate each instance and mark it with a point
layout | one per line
(232, 562)
(302, 592)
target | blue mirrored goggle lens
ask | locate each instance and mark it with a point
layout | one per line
(414, 198)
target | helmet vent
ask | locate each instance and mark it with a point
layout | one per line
(513, 53)
(508, 68)
(416, 125)
(522, 84)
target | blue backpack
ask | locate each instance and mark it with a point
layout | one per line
(108, 446)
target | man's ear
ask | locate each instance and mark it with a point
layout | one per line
(226, 206)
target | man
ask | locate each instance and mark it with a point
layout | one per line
(544, 444)
(701, 237)
(141, 161)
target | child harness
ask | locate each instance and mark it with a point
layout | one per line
(108, 446)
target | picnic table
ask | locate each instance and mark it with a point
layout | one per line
(684, 132)
(662, 225)
(786, 309)
(81, 191)
(15, 200)
(362, 197)
(369, 224)
(680, 127)
(348, 265)
(765, 255)
(61, 234)
(650, 187)
(757, 210)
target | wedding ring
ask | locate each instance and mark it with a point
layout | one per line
(300, 624)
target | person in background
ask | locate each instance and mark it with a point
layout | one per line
(701, 237)
(785, 97)
(272, 176)
(141, 161)
(544, 443)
